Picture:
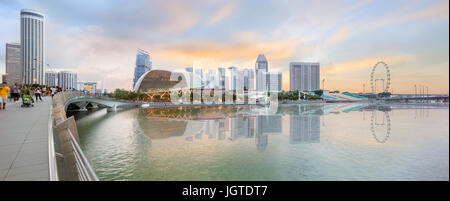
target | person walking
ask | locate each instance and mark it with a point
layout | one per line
(53, 90)
(37, 94)
(43, 91)
(25, 91)
(4, 90)
(16, 93)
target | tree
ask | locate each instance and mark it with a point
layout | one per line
(318, 92)
(384, 95)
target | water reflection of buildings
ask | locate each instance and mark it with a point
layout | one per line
(228, 123)
(304, 129)
(266, 125)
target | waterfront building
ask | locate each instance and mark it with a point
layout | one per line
(14, 68)
(67, 79)
(80, 86)
(143, 65)
(90, 87)
(32, 40)
(236, 78)
(249, 79)
(222, 75)
(156, 82)
(304, 76)
(272, 81)
(211, 79)
(103, 87)
(190, 72)
(261, 66)
(198, 82)
(51, 78)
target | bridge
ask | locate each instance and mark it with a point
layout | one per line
(41, 143)
(425, 98)
(82, 100)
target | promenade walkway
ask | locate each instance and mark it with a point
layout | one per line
(24, 142)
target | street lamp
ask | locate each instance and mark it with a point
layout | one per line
(415, 91)
(323, 84)
(34, 70)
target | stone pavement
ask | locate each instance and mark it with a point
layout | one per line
(24, 141)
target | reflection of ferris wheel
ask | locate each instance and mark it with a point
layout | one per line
(386, 121)
(373, 82)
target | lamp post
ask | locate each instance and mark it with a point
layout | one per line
(48, 65)
(323, 84)
(415, 91)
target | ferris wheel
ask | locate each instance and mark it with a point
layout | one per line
(386, 122)
(373, 80)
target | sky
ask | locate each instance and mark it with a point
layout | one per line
(99, 39)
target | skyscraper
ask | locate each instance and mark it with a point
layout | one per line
(67, 79)
(14, 68)
(304, 76)
(189, 69)
(272, 81)
(198, 79)
(236, 78)
(32, 42)
(143, 65)
(261, 66)
(51, 78)
(221, 73)
(249, 79)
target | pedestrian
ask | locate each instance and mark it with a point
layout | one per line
(16, 92)
(43, 92)
(37, 94)
(4, 90)
(53, 90)
(25, 91)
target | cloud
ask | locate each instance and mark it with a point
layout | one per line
(365, 63)
(99, 39)
(225, 11)
(403, 14)
(241, 49)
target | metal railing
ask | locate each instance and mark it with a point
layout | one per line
(66, 159)
(52, 167)
(85, 171)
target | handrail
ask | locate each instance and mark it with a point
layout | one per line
(52, 168)
(85, 171)
(75, 164)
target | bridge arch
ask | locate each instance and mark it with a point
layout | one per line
(108, 103)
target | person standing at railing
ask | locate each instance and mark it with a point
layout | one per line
(4, 90)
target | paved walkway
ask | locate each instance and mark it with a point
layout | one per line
(24, 142)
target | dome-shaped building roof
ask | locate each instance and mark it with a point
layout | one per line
(157, 80)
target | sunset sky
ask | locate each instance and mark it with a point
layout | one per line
(99, 39)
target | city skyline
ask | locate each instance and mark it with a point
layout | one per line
(346, 37)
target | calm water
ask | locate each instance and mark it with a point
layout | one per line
(308, 142)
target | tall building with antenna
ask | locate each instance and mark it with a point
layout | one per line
(143, 65)
(261, 67)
